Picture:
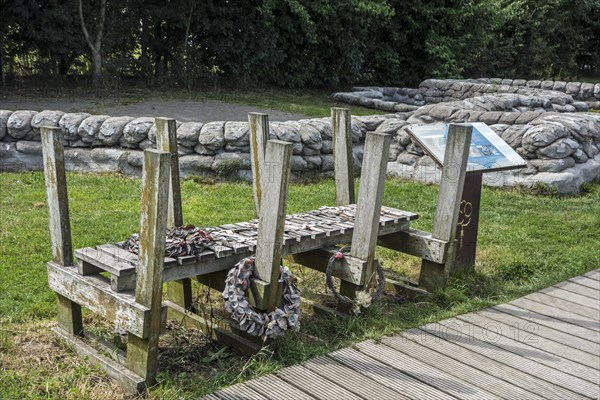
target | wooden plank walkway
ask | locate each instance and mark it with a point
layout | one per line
(545, 345)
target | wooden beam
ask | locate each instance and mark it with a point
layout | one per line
(416, 243)
(68, 313)
(132, 383)
(56, 194)
(435, 275)
(166, 140)
(179, 291)
(259, 135)
(94, 293)
(370, 198)
(350, 269)
(220, 331)
(272, 216)
(142, 353)
(341, 125)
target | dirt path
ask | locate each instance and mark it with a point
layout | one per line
(182, 110)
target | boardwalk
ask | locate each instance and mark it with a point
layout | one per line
(542, 346)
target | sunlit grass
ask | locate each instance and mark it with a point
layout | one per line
(525, 243)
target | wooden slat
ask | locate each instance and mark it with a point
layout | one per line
(118, 253)
(275, 388)
(459, 369)
(547, 327)
(554, 354)
(566, 305)
(240, 392)
(186, 259)
(104, 261)
(433, 376)
(314, 384)
(574, 298)
(579, 289)
(591, 283)
(557, 313)
(595, 274)
(571, 329)
(343, 162)
(390, 377)
(459, 332)
(353, 381)
(207, 262)
(443, 342)
(126, 256)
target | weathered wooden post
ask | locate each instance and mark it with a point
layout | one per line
(433, 275)
(468, 222)
(69, 312)
(179, 291)
(258, 125)
(341, 125)
(370, 199)
(275, 176)
(142, 354)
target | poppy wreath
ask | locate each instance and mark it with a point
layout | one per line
(180, 241)
(363, 298)
(272, 324)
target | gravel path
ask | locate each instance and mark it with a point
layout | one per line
(182, 110)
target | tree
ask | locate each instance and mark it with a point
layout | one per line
(95, 45)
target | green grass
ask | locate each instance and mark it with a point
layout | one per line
(309, 102)
(313, 103)
(525, 243)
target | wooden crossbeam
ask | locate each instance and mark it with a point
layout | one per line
(94, 293)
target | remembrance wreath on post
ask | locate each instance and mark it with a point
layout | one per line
(275, 323)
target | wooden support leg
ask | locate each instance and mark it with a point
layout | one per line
(142, 354)
(180, 291)
(271, 222)
(69, 313)
(434, 276)
(468, 223)
(69, 316)
(259, 135)
(342, 154)
(368, 208)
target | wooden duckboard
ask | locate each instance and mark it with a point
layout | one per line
(303, 232)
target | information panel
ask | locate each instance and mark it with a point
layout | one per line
(488, 151)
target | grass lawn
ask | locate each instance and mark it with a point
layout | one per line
(526, 243)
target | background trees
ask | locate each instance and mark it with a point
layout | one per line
(299, 43)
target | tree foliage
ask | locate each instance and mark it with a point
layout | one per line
(299, 43)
